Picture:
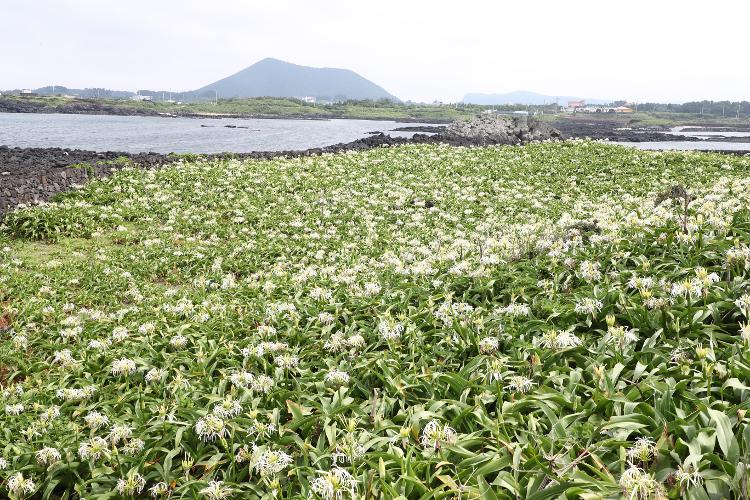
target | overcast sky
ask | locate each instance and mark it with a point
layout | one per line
(641, 50)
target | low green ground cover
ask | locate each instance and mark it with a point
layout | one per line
(559, 320)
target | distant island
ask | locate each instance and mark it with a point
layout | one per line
(274, 78)
(266, 78)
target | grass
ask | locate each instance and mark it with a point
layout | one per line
(557, 320)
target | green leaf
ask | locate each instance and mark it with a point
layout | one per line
(727, 440)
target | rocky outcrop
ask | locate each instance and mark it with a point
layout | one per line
(29, 175)
(488, 130)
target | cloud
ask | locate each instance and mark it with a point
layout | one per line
(420, 50)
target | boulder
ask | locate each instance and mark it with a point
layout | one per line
(488, 130)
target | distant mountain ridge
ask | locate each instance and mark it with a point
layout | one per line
(274, 78)
(525, 97)
(266, 78)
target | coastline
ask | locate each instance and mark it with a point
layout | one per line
(93, 107)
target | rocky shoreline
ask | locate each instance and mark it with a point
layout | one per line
(614, 131)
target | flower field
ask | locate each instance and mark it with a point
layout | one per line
(559, 320)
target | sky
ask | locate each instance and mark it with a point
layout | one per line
(638, 50)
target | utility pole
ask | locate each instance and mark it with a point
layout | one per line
(216, 97)
(739, 109)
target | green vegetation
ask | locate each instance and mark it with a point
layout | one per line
(278, 107)
(270, 107)
(87, 167)
(559, 320)
(705, 109)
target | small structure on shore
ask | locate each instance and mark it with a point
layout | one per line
(139, 97)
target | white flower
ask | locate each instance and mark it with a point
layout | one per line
(211, 427)
(18, 485)
(678, 355)
(228, 408)
(119, 432)
(133, 447)
(286, 361)
(75, 394)
(13, 410)
(688, 476)
(94, 449)
(178, 341)
(450, 311)
(272, 462)
(337, 377)
(639, 485)
(262, 384)
(621, 336)
(47, 456)
(159, 490)
(123, 366)
(356, 341)
(20, 342)
(216, 490)
(372, 289)
(321, 294)
(335, 484)
(3, 463)
(743, 303)
(514, 309)
(242, 379)
(590, 271)
(64, 358)
(519, 383)
(435, 435)
(390, 331)
(488, 345)
(119, 334)
(326, 318)
(96, 420)
(261, 429)
(588, 306)
(98, 345)
(336, 343)
(266, 330)
(155, 375)
(147, 328)
(558, 339)
(643, 451)
(71, 333)
(133, 484)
